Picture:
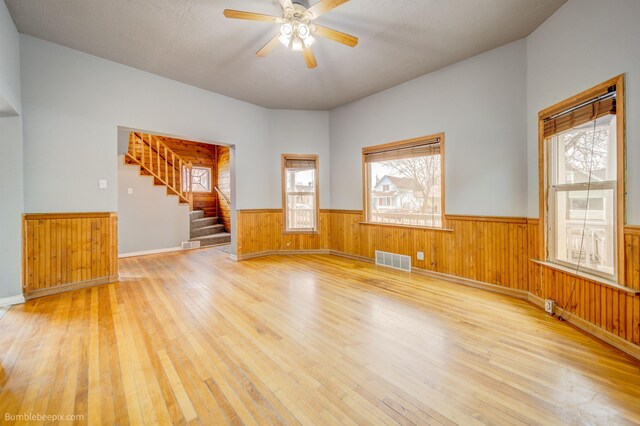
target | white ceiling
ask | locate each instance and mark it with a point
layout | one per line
(190, 41)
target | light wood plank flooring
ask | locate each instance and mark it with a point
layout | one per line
(196, 338)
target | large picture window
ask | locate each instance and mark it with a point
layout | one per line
(404, 182)
(300, 192)
(582, 199)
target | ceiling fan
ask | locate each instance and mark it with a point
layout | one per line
(296, 27)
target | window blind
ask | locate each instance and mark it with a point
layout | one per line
(299, 164)
(424, 149)
(580, 115)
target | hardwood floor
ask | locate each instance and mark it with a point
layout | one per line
(196, 338)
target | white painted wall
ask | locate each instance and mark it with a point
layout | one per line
(73, 104)
(11, 160)
(9, 64)
(570, 53)
(298, 132)
(148, 219)
(478, 103)
(11, 205)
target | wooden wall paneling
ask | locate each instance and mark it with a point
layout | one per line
(68, 249)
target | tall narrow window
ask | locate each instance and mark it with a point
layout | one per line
(404, 182)
(581, 186)
(300, 192)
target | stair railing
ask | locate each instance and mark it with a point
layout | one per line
(224, 197)
(157, 159)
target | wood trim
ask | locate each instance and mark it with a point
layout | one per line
(399, 225)
(316, 159)
(241, 257)
(593, 330)
(505, 219)
(621, 175)
(69, 287)
(259, 211)
(407, 143)
(533, 220)
(70, 215)
(581, 97)
(342, 211)
(571, 102)
(632, 229)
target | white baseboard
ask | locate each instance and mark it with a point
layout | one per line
(11, 300)
(146, 252)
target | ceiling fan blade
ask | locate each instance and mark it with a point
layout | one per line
(267, 48)
(309, 58)
(286, 4)
(334, 35)
(324, 6)
(239, 14)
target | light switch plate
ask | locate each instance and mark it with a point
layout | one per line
(129, 191)
(102, 183)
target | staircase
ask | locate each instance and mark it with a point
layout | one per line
(207, 230)
(156, 159)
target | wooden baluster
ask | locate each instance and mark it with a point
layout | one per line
(173, 170)
(158, 158)
(181, 173)
(190, 187)
(166, 165)
(142, 154)
(150, 154)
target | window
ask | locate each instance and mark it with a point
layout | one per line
(582, 186)
(200, 179)
(300, 192)
(403, 182)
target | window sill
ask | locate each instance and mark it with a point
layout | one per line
(397, 225)
(293, 232)
(585, 275)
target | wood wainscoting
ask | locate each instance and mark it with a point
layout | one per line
(260, 232)
(65, 251)
(493, 250)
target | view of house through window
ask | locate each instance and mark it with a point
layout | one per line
(300, 174)
(582, 196)
(404, 184)
(200, 179)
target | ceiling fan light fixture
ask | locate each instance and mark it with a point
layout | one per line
(284, 40)
(286, 29)
(303, 30)
(308, 41)
(297, 45)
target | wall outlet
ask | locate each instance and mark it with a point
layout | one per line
(102, 183)
(550, 306)
(420, 255)
(130, 191)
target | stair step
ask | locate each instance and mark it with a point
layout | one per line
(205, 221)
(196, 214)
(207, 230)
(210, 240)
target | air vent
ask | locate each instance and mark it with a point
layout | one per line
(392, 260)
(190, 245)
